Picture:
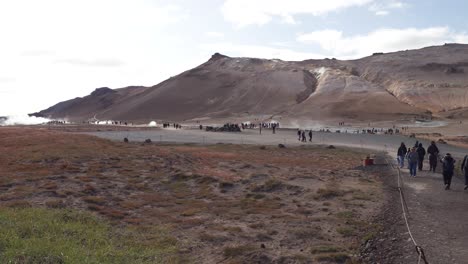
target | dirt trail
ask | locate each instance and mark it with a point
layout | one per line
(436, 217)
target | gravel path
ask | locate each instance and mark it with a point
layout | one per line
(283, 136)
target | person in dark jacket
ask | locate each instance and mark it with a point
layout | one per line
(310, 135)
(421, 152)
(304, 139)
(464, 168)
(433, 151)
(401, 155)
(413, 158)
(448, 166)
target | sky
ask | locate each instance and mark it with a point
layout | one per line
(55, 50)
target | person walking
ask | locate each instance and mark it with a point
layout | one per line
(413, 159)
(464, 168)
(299, 134)
(310, 135)
(433, 151)
(448, 166)
(304, 139)
(401, 155)
(421, 152)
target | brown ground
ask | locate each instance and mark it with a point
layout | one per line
(230, 203)
(454, 133)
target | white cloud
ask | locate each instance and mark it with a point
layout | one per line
(6, 80)
(214, 34)
(100, 62)
(383, 8)
(381, 40)
(56, 50)
(258, 51)
(242, 13)
(382, 13)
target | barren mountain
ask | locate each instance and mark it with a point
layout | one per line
(399, 85)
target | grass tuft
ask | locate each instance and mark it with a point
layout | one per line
(35, 235)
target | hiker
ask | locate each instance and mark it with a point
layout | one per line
(464, 168)
(304, 139)
(448, 166)
(310, 135)
(433, 151)
(274, 128)
(416, 144)
(422, 152)
(299, 134)
(401, 155)
(413, 159)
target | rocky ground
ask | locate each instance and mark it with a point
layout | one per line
(223, 203)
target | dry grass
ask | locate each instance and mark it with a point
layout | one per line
(226, 199)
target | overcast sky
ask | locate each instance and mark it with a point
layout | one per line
(54, 50)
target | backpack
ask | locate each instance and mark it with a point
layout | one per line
(449, 164)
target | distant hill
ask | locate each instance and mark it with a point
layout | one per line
(398, 85)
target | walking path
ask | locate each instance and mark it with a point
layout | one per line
(437, 216)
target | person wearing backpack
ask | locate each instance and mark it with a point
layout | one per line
(413, 159)
(433, 154)
(464, 168)
(401, 155)
(448, 166)
(421, 152)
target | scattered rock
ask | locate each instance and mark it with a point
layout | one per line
(331, 147)
(281, 146)
(126, 140)
(224, 186)
(263, 147)
(441, 141)
(148, 141)
(262, 245)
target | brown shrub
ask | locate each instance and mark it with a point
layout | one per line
(55, 203)
(99, 200)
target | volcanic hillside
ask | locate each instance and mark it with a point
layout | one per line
(398, 85)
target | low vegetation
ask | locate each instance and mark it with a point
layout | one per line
(69, 198)
(36, 235)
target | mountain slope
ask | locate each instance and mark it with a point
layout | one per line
(389, 86)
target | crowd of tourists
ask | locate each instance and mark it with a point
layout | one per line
(415, 157)
(173, 125)
(302, 135)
